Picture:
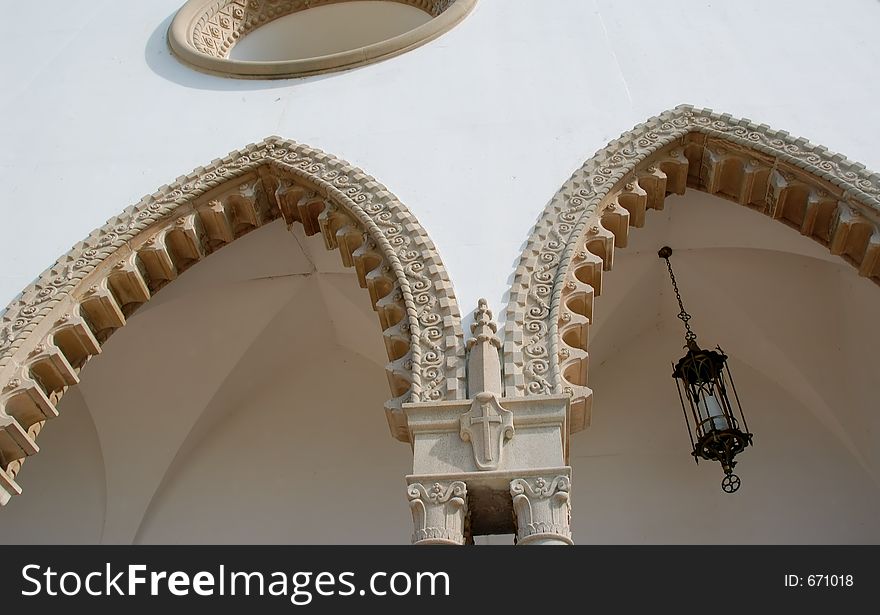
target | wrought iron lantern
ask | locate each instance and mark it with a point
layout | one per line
(704, 381)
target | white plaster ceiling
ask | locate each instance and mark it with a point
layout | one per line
(798, 325)
(254, 381)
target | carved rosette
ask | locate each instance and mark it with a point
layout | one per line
(827, 197)
(61, 320)
(543, 509)
(439, 512)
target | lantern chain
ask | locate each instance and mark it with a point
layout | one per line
(689, 336)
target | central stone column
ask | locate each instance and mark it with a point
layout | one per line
(489, 464)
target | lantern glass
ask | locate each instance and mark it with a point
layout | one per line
(713, 418)
(712, 415)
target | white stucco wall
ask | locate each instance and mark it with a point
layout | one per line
(474, 131)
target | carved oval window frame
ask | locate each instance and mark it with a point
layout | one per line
(204, 31)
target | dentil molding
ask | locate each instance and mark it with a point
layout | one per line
(61, 320)
(821, 194)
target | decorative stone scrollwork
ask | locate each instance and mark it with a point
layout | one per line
(825, 196)
(543, 510)
(439, 512)
(56, 324)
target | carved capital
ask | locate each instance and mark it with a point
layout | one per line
(438, 512)
(542, 507)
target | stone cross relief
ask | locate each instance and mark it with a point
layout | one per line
(487, 425)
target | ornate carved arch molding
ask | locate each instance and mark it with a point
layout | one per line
(61, 320)
(821, 194)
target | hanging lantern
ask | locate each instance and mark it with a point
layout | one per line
(717, 432)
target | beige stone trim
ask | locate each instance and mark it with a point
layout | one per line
(61, 320)
(821, 194)
(204, 31)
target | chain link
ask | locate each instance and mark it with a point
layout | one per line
(689, 336)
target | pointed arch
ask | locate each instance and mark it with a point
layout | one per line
(61, 320)
(821, 194)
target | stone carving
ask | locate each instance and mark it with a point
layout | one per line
(829, 198)
(487, 426)
(543, 509)
(205, 31)
(57, 323)
(439, 512)
(484, 363)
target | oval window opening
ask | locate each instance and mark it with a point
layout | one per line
(325, 30)
(277, 39)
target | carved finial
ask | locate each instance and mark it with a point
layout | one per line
(484, 362)
(484, 327)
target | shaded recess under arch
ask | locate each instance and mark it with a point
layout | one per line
(819, 193)
(61, 320)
